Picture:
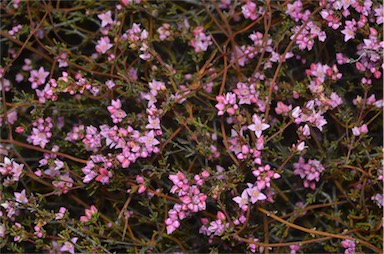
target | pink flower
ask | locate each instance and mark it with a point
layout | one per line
(283, 109)
(154, 123)
(69, 246)
(106, 18)
(89, 213)
(216, 227)
(149, 140)
(37, 78)
(309, 172)
(172, 225)
(2, 231)
(163, 31)
(21, 197)
(242, 201)
(349, 246)
(201, 40)
(117, 114)
(379, 14)
(300, 147)
(226, 103)
(357, 131)
(38, 137)
(255, 194)
(294, 248)
(103, 45)
(257, 125)
(103, 176)
(249, 10)
(349, 33)
(60, 214)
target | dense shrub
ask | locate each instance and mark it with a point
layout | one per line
(191, 126)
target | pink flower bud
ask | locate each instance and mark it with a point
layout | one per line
(364, 129)
(220, 215)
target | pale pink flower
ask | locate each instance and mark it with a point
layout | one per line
(349, 33)
(2, 231)
(61, 213)
(258, 127)
(106, 18)
(38, 77)
(163, 31)
(69, 246)
(149, 140)
(172, 225)
(103, 45)
(255, 194)
(242, 201)
(21, 197)
(379, 14)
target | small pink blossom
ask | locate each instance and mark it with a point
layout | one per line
(106, 18)
(89, 213)
(163, 31)
(242, 200)
(258, 127)
(38, 77)
(255, 194)
(21, 197)
(103, 45)
(69, 246)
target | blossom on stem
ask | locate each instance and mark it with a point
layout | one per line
(106, 18)
(258, 127)
(103, 45)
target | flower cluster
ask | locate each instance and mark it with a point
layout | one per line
(138, 39)
(117, 114)
(350, 246)
(251, 194)
(216, 227)
(98, 168)
(41, 132)
(192, 199)
(201, 41)
(143, 126)
(11, 171)
(309, 171)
